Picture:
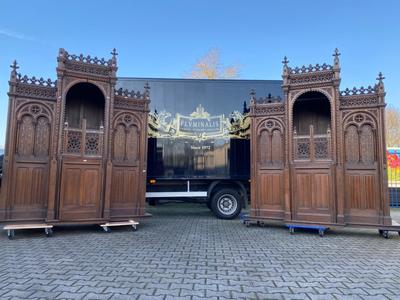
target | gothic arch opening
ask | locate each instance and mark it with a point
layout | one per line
(84, 104)
(312, 109)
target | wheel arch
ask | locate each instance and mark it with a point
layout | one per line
(236, 184)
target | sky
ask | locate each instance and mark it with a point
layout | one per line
(165, 38)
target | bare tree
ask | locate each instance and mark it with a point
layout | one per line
(210, 67)
(392, 126)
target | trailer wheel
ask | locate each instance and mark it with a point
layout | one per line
(226, 204)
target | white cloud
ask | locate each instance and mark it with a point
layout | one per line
(15, 35)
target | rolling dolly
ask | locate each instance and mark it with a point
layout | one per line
(48, 229)
(106, 226)
(321, 229)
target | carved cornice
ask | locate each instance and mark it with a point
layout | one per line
(360, 97)
(267, 109)
(310, 69)
(359, 101)
(129, 103)
(311, 78)
(94, 66)
(32, 87)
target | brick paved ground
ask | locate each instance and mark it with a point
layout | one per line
(183, 252)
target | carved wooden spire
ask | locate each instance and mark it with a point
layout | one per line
(114, 54)
(252, 96)
(380, 85)
(285, 70)
(14, 67)
(336, 54)
(147, 90)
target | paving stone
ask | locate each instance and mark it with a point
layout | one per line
(44, 295)
(96, 296)
(68, 295)
(184, 252)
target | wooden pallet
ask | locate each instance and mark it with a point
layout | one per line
(48, 229)
(106, 226)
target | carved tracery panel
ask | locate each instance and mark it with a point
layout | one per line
(26, 136)
(33, 131)
(126, 138)
(132, 143)
(367, 144)
(42, 137)
(351, 144)
(360, 140)
(270, 143)
(119, 142)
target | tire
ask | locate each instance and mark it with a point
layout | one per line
(208, 203)
(226, 204)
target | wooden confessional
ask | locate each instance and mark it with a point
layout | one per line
(318, 156)
(75, 148)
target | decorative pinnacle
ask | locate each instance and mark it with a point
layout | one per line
(14, 66)
(380, 77)
(114, 53)
(147, 88)
(285, 61)
(252, 93)
(336, 54)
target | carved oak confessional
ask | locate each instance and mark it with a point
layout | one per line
(76, 148)
(318, 156)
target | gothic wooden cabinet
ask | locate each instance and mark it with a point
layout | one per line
(318, 155)
(76, 147)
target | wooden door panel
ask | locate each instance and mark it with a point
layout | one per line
(71, 184)
(30, 191)
(80, 197)
(322, 191)
(125, 199)
(90, 187)
(270, 194)
(361, 197)
(313, 196)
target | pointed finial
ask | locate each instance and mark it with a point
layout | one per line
(14, 66)
(147, 89)
(285, 61)
(380, 77)
(252, 97)
(114, 52)
(336, 53)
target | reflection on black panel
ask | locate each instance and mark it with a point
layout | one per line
(212, 158)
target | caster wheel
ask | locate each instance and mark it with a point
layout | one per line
(385, 234)
(134, 228)
(262, 224)
(381, 232)
(10, 234)
(247, 223)
(49, 232)
(107, 229)
(321, 233)
(291, 230)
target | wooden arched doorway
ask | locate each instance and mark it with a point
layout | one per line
(82, 154)
(312, 195)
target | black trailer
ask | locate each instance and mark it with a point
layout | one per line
(198, 139)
